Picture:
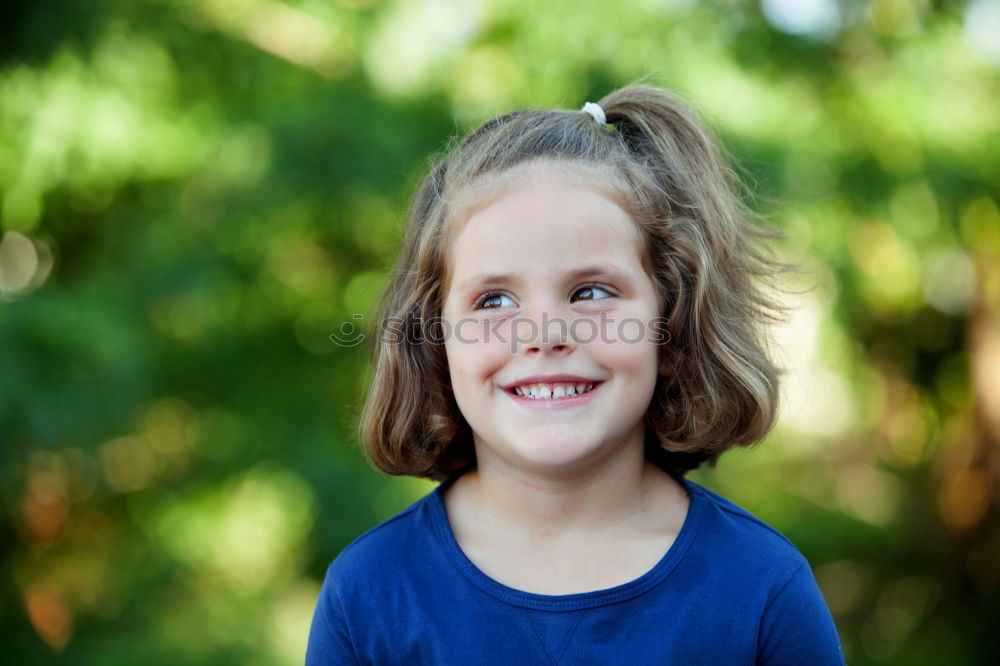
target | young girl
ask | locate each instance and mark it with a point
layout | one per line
(573, 324)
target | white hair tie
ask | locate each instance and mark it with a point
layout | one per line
(597, 112)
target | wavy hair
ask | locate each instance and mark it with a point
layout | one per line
(704, 248)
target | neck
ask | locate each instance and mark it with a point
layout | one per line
(604, 497)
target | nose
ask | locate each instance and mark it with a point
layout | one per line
(547, 334)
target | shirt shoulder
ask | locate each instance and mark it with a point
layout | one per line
(756, 568)
(740, 536)
(385, 546)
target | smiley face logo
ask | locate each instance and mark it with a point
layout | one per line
(349, 335)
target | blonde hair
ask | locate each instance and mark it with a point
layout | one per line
(718, 387)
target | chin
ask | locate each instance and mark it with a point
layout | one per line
(554, 451)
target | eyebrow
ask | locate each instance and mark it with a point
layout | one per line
(611, 271)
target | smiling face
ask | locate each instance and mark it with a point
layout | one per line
(556, 254)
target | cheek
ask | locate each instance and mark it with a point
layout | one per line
(631, 331)
(474, 362)
(637, 360)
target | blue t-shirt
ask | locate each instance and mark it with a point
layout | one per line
(730, 590)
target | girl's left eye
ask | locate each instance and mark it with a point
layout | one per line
(592, 292)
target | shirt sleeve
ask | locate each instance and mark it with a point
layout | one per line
(329, 638)
(797, 627)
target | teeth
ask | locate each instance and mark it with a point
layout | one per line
(552, 391)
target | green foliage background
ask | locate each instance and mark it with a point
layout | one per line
(197, 193)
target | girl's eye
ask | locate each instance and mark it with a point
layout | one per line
(493, 300)
(592, 292)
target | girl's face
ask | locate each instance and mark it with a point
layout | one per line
(547, 291)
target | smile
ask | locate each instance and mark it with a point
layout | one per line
(558, 391)
(553, 396)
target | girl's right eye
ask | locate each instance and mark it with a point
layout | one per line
(492, 300)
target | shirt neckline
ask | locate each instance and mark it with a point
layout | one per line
(578, 600)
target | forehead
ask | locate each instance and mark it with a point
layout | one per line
(468, 199)
(542, 216)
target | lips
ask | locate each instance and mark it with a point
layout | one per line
(535, 392)
(550, 379)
